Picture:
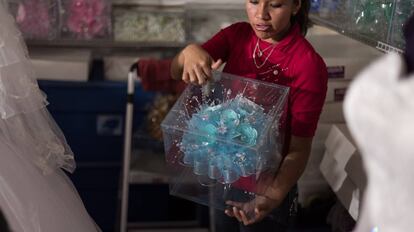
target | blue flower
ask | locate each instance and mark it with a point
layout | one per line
(248, 134)
(217, 136)
(230, 118)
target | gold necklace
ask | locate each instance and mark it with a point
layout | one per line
(260, 53)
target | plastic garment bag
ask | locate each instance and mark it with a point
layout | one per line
(379, 109)
(35, 194)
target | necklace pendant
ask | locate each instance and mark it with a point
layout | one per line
(260, 53)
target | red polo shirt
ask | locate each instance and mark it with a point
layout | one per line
(293, 63)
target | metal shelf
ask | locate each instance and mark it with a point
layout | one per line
(380, 45)
(102, 48)
(101, 44)
(386, 48)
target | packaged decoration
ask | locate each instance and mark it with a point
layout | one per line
(372, 18)
(146, 24)
(36, 19)
(157, 112)
(224, 139)
(205, 20)
(335, 12)
(86, 19)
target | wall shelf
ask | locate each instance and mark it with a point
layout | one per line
(373, 42)
(376, 23)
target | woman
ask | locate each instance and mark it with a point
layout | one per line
(271, 47)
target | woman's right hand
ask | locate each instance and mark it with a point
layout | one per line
(197, 64)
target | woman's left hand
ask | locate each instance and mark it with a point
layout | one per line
(252, 211)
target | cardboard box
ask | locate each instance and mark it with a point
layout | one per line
(333, 173)
(345, 189)
(61, 64)
(343, 169)
(340, 145)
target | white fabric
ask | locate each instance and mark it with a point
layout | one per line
(34, 202)
(35, 194)
(379, 109)
(24, 119)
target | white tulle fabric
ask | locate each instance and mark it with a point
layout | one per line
(34, 202)
(35, 193)
(379, 109)
(25, 121)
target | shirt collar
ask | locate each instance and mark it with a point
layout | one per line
(283, 45)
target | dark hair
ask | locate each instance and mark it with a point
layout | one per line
(409, 44)
(302, 16)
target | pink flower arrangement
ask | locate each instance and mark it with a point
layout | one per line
(87, 18)
(33, 19)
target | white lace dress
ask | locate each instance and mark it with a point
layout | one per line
(35, 194)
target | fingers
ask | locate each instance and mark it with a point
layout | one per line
(249, 218)
(258, 216)
(237, 214)
(216, 65)
(195, 75)
(229, 212)
(234, 211)
(186, 77)
(245, 212)
(196, 64)
(207, 72)
(200, 73)
(201, 76)
(243, 217)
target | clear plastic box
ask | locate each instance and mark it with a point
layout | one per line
(223, 140)
(205, 20)
(86, 19)
(149, 24)
(37, 20)
(372, 18)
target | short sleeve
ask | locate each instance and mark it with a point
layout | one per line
(308, 94)
(155, 76)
